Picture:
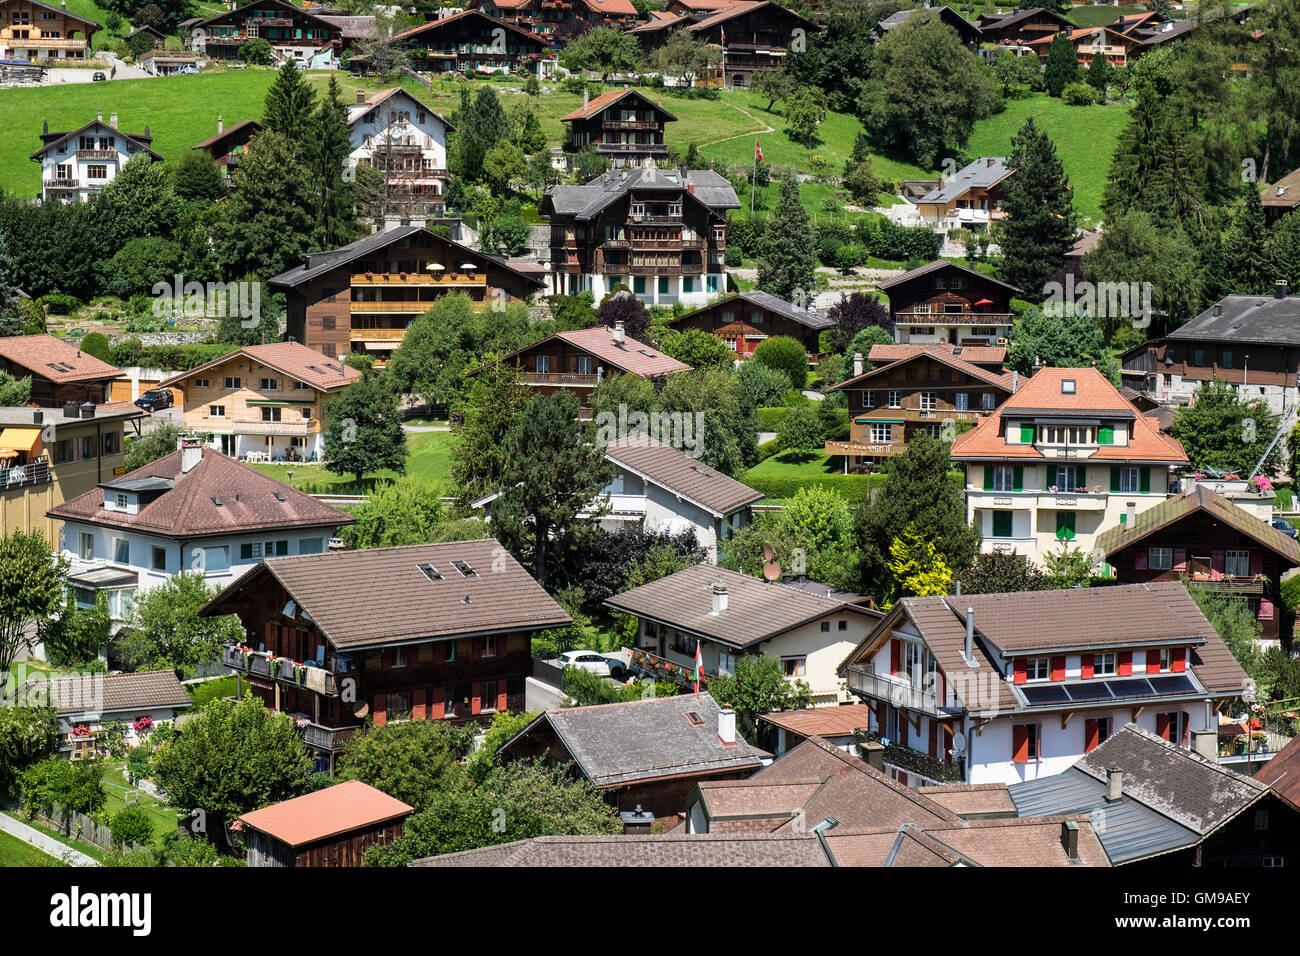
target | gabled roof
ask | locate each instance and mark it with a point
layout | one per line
(1282, 773)
(115, 693)
(606, 100)
(1034, 842)
(839, 721)
(140, 140)
(352, 27)
(983, 173)
(1247, 319)
(357, 111)
(331, 812)
(768, 302)
(742, 8)
(147, 29)
(292, 358)
(659, 20)
(495, 596)
(1005, 20)
(1081, 33)
(1094, 397)
(228, 132)
(729, 850)
(946, 14)
(975, 354)
(681, 475)
(711, 190)
(1199, 499)
(756, 609)
(629, 356)
(54, 359)
(249, 501)
(433, 26)
(943, 265)
(615, 745)
(64, 11)
(1283, 194)
(264, 4)
(944, 355)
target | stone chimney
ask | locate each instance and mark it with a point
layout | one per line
(1206, 743)
(727, 726)
(112, 120)
(857, 364)
(361, 97)
(191, 448)
(221, 125)
(1279, 289)
(99, 115)
(719, 592)
(690, 188)
(874, 752)
(1070, 839)
(1130, 516)
(1114, 784)
(619, 332)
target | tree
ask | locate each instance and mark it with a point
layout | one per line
(27, 735)
(233, 757)
(758, 686)
(787, 262)
(863, 184)
(503, 163)
(915, 568)
(529, 135)
(996, 572)
(787, 356)
(363, 429)
(132, 825)
(14, 392)
(414, 761)
(1040, 223)
(1062, 67)
(79, 635)
(1225, 431)
(622, 306)
(804, 112)
(604, 50)
(75, 786)
(1017, 73)
(331, 145)
(822, 522)
(695, 347)
(496, 403)
(1062, 341)
(480, 125)
(165, 631)
(588, 164)
(1099, 74)
(140, 201)
(505, 726)
(684, 58)
(763, 385)
(195, 177)
(552, 475)
(289, 105)
(162, 440)
(855, 313)
(925, 92)
(406, 512)
(918, 491)
(729, 424)
(256, 52)
(800, 430)
(772, 85)
(134, 269)
(1068, 566)
(31, 590)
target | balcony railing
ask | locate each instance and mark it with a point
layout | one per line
(49, 43)
(360, 335)
(97, 154)
(900, 693)
(419, 278)
(864, 448)
(62, 182)
(35, 472)
(327, 738)
(954, 318)
(396, 305)
(662, 667)
(560, 378)
(270, 667)
(631, 124)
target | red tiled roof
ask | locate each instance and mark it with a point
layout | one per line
(293, 359)
(335, 810)
(822, 721)
(631, 356)
(54, 359)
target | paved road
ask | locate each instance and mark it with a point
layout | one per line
(46, 844)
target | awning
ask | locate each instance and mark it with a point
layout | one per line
(20, 439)
(984, 302)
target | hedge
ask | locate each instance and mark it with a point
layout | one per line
(769, 419)
(169, 358)
(856, 488)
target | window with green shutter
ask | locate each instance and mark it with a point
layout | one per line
(1106, 435)
(1145, 480)
(1065, 525)
(1114, 479)
(1227, 359)
(1198, 357)
(1018, 479)
(1051, 477)
(1027, 434)
(988, 477)
(1002, 524)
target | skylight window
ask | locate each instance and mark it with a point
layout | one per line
(430, 572)
(1067, 386)
(695, 718)
(464, 568)
(279, 496)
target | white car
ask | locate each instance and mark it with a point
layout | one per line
(587, 660)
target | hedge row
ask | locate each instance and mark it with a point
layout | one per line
(169, 358)
(769, 419)
(856, 488)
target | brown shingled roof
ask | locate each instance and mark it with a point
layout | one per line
(292, 358)
(839, 721)
(115, 693)
(54, 359)
(944, 356)
(658, 850)
(1028, 842)
(682, 475)
(975, 354)
(609, 99)
(330, 812)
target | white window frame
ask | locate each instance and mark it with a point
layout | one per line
(895, 399)
(1038, 669)
(1160, 559)
(1004, 477)
(1112, 668)
(1130, 480)
(928, 401)
(1241, 559)
(882, 432)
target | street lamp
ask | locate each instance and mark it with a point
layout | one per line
(289, 474)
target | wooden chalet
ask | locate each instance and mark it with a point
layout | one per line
(227, 147)
(743, 320)
(625, 126)
(292, 33)
(547, 18)
(752, 37)
(60, 372)
(467, 42)
(944, 302)
(331, 827)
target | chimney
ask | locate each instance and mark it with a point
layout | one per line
(1279, 289)
(112, 120)
(361, 97)
(719, 591)
(100, 116)
(857, 364)
(191, 449)
(1015, 381)
(1070, 839)
(637, 821)
(970, 635)
(690, 188)
(619, 333)
(1218, 309)
(1206, 743)
(45, 128)
(71, 410)
(874, 751)
(88, 410)
(586, 96)
(727, 726)
(1115, 784)
(38, 417)
(221, 125)
(1130, 516)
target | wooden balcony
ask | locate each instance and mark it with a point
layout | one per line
(393, 335)
(855, 449)
(259, 664)
(898, 691)
(330, 739)
(954, 318)
(49, 43)
(633, 124)
(62, 182)
(391, 279)
(405, 307)
(97, 155)
(567, 379)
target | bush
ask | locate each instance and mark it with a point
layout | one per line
(856, 488)
(785, 355)
(770, 418)
(57, 303)
(801, 430)
(95, 344)
(1291, 593)
(1079, 94)
(132, 825)
(762, 383)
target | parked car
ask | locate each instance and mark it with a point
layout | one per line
(98, 78)
(586, 660)
(1288, 529)
(155, 399)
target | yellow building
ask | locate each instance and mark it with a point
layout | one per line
(267, 401)
(50, 455)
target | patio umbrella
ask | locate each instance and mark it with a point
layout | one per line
(8, 453)
(984, 302)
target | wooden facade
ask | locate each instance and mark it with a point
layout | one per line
(1019, 30)
(289, 30)
(344, 849)
(549, 18)
(945, 302)
(627, 128)
(756, 38)
(470, 41)
(743, 325)
(1150, 367)
(39, 32)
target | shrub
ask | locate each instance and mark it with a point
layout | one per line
(856, 488)
(132, 825)
(1079, 94)
(56, 303)
(785, 355)
(762, 383)
(95, 344)
(770, 419)
(801, 430)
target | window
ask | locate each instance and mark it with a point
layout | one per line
(399, 657)
(201, 383)
(1160, 559)
(1002, 524)
(1273, 862)
(306, 414)
(584, 365)
(895, 400)
(1067, 477)
(216, 560)
(1025, 743)
(989, 399)
(726, 662)
(826, 626)
(1004, 478)
(1038, 668)
(158, 560)
(270, 384)
(795, 666)
(86, 546)
(233, 382)
(1067, 386)
(842, 625)
(88, 446)
(399, 705)
(270, 414)
(1261, 819)
(962, 401)
(119, 500)
(928, 402)
(96, 172)
(327, 323)
(1129, 480)
(450, 650)
(868, 399)
(543, 363)
(1103, 665)
(1165, 659)
(489, 647)
(1237, 563)
(121, 551)
(1103, 729)
(216, 411)
(488, 697)
(882, 431)
(311, 545)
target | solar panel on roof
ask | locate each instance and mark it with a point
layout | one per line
(1090, 690)
(1045, 694)
(1175, 684)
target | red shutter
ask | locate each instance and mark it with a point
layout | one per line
(1256, 561)
(1153, 662)
(502, 702)
(475, 698)
(1178, 660)
(439, 707)
(1180, 559)
(1090, 735)
(1058, 668)
(1218, 559)
(1125, 663)
(1162, 726)
(1186, 740)
(270, 635)
(934, 739)
(379, 705)
(903, 728)
(1265, 609)
(943, 688)
(895, 656)
(1140, 559)
(1020, 743)
(417, 712)
(1085, 666)
(1019, 666)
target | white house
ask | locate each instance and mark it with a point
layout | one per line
(1001, 688)
(192, 510)
(406, 141)
(87, 704)
(79, 164)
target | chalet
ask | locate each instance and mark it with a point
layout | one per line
(1282, 196)
(577, 361)
(404, 140)
(452, 644)
(654, 33)
(695, 8)
(263, 402)
(192, 510)
(1061, 460)
(1152, 801)
(40, 32)
(971, 199)
(292, 32)
(158, 38)
(943, 302)
(1021, 27)
(934, 390)
(663, 232)
(546, 18)
(363, 296)
(963, 689)
(1251, 342)
(1118, 48)
(644, 754)
(752, 37)
(77, 165)
(624, 126)
(228, 146)
(60, 372)
(988, 357)
(726, 615)
(468, 42)
(331, 827)
(969, 34)
(48, 456)
(1213, 543)
(745, 319)
(87, 704)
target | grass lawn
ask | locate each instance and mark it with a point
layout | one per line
(789, 464)
(89, 849)
(429, 462)
(14, 852)
(116, 787)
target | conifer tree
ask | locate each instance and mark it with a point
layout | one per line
(1062, 67)
(332, 142)
(787, 261)
(1040, 225)
(288, 107)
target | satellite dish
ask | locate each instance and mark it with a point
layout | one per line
(958, 743)
(361, 712)
(768, 553)
(772, 571)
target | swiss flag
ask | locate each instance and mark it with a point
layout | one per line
(724, 36)
(758, 152)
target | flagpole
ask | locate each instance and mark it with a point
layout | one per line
(753, 180)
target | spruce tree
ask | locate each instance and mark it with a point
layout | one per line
(1040, 225)
(787, 261)
(288, 106)
(1099, 74)
(332, 142)
(1062, 67)
(1246, 265)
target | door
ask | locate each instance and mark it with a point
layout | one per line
(228, 445)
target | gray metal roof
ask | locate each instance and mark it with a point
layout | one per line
(583, 202)
(150, 483)
(765, 300)
(1254, 319)
(981, 174)
(947, 14)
